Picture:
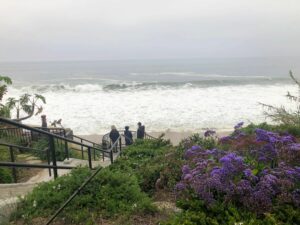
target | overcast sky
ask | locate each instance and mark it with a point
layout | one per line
(141, 29)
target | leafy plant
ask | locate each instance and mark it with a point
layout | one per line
(41, 146)
(29, 104)
(5, 173)
(109, 194)
(282, 115)
(4, 82)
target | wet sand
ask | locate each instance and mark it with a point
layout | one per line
(173, 136)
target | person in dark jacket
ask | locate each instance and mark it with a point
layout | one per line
(140, 134)
(128, 136)
(44, 121)
(114, 135)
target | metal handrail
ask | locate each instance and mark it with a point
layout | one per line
(4, 120)
(21, 147)
(26, 165)
(73, 196)
(150, 136)
(51, 137)
(13, 164)
(83, 139)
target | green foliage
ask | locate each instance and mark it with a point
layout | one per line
(26, 103)
(3, 87)
(280, 114)
(42, 144)
(5, 173)
(281, 128)
(197, 139)
(4, 82)
(107, 195)
(5, 176)
(196, 213)
(116, 192)
(150, 160)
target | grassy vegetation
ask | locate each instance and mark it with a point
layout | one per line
(118, 193)
(282, 128)
(5, 173)
(128, 188)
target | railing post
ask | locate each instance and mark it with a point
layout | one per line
(82, 156)
(90, 157)
(12, 158)
(52, 149)
(111, 156)
(66, 146)
(120, 142)
(94, 154)
(48, 159)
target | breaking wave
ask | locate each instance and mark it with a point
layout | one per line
(140, 86)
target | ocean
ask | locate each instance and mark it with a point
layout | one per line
(176, 95)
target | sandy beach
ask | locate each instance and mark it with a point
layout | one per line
(174, 136)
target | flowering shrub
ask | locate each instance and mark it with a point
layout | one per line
(260, 178)
(269, 148)
(229, 179)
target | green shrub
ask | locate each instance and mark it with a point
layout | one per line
(282, 128)
(5, 176)
(110, 193)
(42, 144)
(150, 160)
(5, 173)
(196, 213)
(197, 139)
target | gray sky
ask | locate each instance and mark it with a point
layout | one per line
(126, 29)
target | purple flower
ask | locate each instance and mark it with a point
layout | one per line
(180, 186)
(225, 139)
(195, 148)
(262, 159)
(186, 169)
(188, 177)
(239, 125)
(294, 147)
(263, 135)
(209, 133)
(247, 172)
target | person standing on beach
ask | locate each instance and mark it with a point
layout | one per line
(128, 136)
(114, 135)
(140, 131)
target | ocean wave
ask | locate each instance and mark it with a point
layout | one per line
(176, 109)
(122, 86)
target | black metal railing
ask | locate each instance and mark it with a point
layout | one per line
(149, 137)
(12, 155)
(51, 140)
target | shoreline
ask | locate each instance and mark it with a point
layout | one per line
(174, 136)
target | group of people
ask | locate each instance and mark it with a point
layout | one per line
(114, 134)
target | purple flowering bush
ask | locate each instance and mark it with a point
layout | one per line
(257, 174)
(215, 176)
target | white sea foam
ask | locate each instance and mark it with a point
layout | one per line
(89, 109)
